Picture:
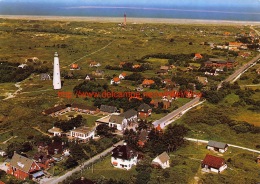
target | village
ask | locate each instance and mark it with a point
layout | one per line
(132, 107)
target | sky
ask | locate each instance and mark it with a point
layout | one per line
(153, 2)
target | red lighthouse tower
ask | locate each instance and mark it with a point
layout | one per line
(124, 19)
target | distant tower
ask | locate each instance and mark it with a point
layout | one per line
(56, 72)
(125, 20)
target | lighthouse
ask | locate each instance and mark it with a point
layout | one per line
(56, 72)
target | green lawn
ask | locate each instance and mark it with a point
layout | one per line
(105, 169)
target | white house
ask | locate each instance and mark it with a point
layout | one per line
(162, 160)
(122, 76)
(2, 153)
(123, 157)
(213, 163)
(55, 131)
(118, 122)
(82, 134)
(217, 146)
(115, 80)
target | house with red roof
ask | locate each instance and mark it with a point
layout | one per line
(147, 82)
(197, 56)
(213, 163)
(24, 168)
(74, 67)
(122, 76)
(115, 80)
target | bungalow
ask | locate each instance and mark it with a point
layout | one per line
(142, 139)
(121, 64)
(258, 159)
(212, 72)
(258, 71)
(74, 67)
(24, 168)
(213, 62)
(197, 56)
(94, 64)
(55, 131)
(118, 122)
(136, 66)
(217, 146)
(108, 109)
(115, 80)
(84, 108)
(234, 46)
(89, 77)
(147, 82)
(22, 66)
(162, 161)
(98, 73)
(202, 80)
(167, 68)
(162, 72)
(43, 160)
(82, 134)
(45, 76)
(2, 153)
(144, 111)
(122, 75)
(213, 163)
(124, 157)
(57, 110)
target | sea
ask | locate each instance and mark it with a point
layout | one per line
(229, 13)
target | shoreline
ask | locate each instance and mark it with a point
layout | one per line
(131, 20)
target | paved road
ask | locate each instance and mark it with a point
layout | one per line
(240, 70)
(231, 145)
(175, 113)
(58, 179)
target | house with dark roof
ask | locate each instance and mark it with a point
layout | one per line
(24, 168)
(43, 160)
(108, 109)
(84, 108)
(118, 122)
(89, 77)
(57, 110)
(162, 161)
(144, 111)
(143, 137)
(130, 115)
(217, 146)
(45, 76)
(124, 157)
(213, 163)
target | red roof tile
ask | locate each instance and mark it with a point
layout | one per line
(213, 161)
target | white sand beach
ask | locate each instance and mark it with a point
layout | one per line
(130, 20)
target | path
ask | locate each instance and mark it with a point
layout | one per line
(39, 130)
(12, 95)
(92, 53)
(9, 139)
(57, 179)
(231, 145)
